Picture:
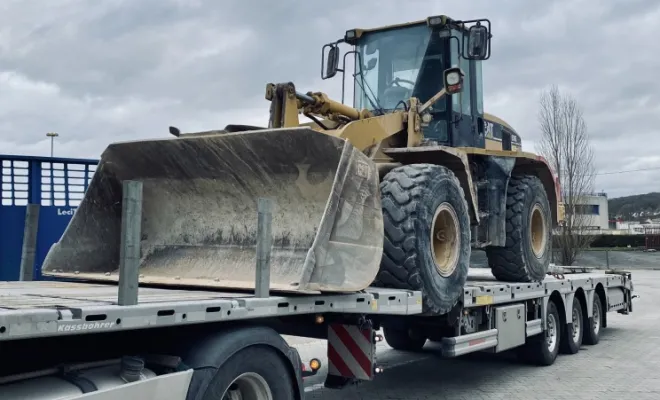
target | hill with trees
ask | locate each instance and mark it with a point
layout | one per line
(635, 208)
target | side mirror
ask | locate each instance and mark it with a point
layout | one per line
(478, 42)
(453, 79)
(332, 64)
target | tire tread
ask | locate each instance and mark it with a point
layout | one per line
(401, 190)
(508, 263)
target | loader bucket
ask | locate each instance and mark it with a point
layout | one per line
(199, 212)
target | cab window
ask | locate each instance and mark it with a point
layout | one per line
(461, 101)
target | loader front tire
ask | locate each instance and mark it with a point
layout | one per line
(427, 234)
(526, 255)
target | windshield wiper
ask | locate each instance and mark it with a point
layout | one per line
(362, 83)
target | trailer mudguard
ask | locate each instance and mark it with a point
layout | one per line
(209, 353)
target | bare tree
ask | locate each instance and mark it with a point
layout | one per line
(565, 145)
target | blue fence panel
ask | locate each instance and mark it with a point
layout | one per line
(57, 184)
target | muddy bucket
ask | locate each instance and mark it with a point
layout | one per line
(199, 212)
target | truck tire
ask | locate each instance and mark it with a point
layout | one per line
(403, 339)
(593, 325)
(255, 372)
(526, 255)
(573, 332)
(542, 349)
(427, 234)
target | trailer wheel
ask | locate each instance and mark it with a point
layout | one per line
(542, 349)
(427, 234)
(254, 373)
(573, 332)
(592, 325)
(526, 255)
(405, 339)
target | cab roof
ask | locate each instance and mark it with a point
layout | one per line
(432, 21)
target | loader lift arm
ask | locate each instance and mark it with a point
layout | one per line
(287, 103)
(361, 128)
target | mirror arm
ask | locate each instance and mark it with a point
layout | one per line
(432, 100)
(343, 73)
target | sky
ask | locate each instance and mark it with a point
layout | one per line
(101, 71)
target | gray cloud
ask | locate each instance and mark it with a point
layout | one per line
(102, 71)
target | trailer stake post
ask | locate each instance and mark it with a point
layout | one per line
(29, 249)
(129, 257)
(264, 242)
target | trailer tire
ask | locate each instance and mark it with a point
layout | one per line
(539, 349)
(573, 331)
(526, 254)
(593, 324)
(254, 370)
(405, 339)
(427, 234)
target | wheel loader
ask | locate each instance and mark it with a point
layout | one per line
(393, 191)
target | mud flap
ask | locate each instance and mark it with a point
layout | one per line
(199, 212)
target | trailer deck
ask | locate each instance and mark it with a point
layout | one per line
(483, 288)
(49, 308)
(37, 309)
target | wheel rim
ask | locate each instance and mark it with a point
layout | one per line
(551, 332)
(248, 386)
(445, 240)
(537, 231)
(577, 325)
(596, 317)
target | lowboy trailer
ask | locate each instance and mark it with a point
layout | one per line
(71, 340)
(104, 341)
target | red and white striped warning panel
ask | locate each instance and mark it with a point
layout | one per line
(351, 351)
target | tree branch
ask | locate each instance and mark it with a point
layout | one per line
(565, 144)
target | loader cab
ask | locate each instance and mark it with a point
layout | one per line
(395, 63)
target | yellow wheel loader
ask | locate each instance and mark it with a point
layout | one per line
(394, 191)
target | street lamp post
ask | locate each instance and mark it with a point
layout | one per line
(52, 136)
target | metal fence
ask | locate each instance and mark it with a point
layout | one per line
(57, 185)
(616, 259)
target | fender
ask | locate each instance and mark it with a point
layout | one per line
(561, 307)
(207, 353)
(452, 158)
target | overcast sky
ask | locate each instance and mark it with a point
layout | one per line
(99, 71)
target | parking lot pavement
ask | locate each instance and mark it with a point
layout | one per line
(625, 364)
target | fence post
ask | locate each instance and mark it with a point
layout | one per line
(131, 230)
(607, 258)
(29, 250)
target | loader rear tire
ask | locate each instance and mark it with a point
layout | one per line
(427, 234)
(526, 255)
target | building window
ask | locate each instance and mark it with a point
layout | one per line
(587, 209)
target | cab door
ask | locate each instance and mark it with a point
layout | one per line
(467, 124)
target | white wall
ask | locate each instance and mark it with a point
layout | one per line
(595, 212)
